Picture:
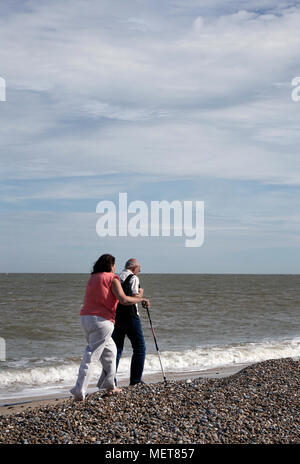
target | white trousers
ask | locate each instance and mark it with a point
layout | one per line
(100, 347)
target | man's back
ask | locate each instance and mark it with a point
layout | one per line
(128, 322)
(134, 283)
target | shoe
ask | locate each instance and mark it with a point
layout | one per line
(77, 396)
(115, 391)
(137, 383)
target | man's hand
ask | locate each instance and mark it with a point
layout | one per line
(146, 303)
(141, 291)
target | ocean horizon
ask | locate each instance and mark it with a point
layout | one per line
(201, 321)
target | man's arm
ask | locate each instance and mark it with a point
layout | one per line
(124, 299)
(135, 287)
(141, 292)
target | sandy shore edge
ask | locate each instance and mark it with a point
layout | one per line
(15, 406)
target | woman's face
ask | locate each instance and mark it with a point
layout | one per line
(113, 268)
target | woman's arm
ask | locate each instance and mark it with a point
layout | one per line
(117, 290)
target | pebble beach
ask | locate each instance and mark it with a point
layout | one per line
(259, 404)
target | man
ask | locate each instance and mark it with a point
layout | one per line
(128, 322)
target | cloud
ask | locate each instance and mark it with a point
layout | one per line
(201, 100)
(106, 97)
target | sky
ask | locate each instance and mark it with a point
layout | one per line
(187, 100)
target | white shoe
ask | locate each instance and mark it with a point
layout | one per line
(78, 396)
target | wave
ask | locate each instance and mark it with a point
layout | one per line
(202, 358)
(64, 374)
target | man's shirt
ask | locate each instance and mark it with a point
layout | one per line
(134, 283)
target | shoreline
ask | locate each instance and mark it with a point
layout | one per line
(16, 405)
(259, 404)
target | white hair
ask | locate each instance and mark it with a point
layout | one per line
(131, 263)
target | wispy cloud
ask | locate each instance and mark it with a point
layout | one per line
(107, 96)
(212, 81)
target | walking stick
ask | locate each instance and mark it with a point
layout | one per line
(154, 337)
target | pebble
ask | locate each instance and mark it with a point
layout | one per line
(259, 404)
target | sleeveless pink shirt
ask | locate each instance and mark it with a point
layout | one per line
(99, 300)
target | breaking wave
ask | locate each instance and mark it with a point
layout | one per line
(27, 375)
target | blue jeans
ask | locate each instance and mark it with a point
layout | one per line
(131, 326)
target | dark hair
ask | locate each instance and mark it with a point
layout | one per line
(103, 264)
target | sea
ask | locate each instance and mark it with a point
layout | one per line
(200, 321)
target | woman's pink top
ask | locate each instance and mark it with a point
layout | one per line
(99, 300)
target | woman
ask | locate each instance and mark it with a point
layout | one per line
(97, 317)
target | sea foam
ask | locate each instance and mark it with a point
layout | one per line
(13, 379)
